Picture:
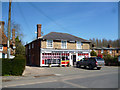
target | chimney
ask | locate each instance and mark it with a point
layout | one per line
(13, 35)
(1, 30)
(38, 31)
(2, 25)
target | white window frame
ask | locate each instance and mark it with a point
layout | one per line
(62, 46)
(47, 44)
(78, 44)
(32, 45)
(102, 51)
(110, 51)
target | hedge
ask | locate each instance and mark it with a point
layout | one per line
(112, 61)
(14, 66)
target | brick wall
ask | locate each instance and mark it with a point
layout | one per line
(33, 54)
(86, 46)
(113, 52)
(43, 44)
(70, 45)
(57, 44)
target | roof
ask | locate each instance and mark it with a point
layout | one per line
(63, 36)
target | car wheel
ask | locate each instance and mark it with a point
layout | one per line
(84, 66)
(90, 67)
(98, 68)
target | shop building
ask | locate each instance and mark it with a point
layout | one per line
(56, 49)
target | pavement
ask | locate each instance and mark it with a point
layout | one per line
(63, 77)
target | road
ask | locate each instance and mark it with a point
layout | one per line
(70, 77)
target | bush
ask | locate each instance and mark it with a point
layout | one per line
(93, 53)
(6, 67)
(111, 61)
(14, 66)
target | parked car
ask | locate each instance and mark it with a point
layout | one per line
(91, 62)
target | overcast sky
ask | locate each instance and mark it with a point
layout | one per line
(83, 19)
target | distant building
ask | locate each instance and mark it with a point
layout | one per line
(107, 50)
(55, 48)
(3, 42)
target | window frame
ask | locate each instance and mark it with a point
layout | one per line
(62, 45)
(102, 51)
(110, 51)
(47, 44)
(78, 44)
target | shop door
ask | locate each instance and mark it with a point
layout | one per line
(74, 59)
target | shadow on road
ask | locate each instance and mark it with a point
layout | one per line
(85, 68)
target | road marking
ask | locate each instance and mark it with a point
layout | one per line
(76, 85)
(63, 79)
(76, 77)
(29, 83)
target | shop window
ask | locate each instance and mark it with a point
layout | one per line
(65, 58)
(49, 43)
(64, 44)
(51, 58)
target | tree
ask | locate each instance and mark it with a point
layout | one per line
(17, 28)
(93, 53)
(104, 42)
(20, 49)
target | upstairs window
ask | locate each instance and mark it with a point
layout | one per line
(49, 43)
(78, 45)
(64, 44)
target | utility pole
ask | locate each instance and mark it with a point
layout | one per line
(9, 28)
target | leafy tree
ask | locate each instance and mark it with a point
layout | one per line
(93, 53)
(20, 49)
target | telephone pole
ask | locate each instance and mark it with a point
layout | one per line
(9, 28)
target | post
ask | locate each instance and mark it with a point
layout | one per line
(9, 26)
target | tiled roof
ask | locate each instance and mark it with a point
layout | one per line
(63, 36)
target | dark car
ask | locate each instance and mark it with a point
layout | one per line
(91, 63)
